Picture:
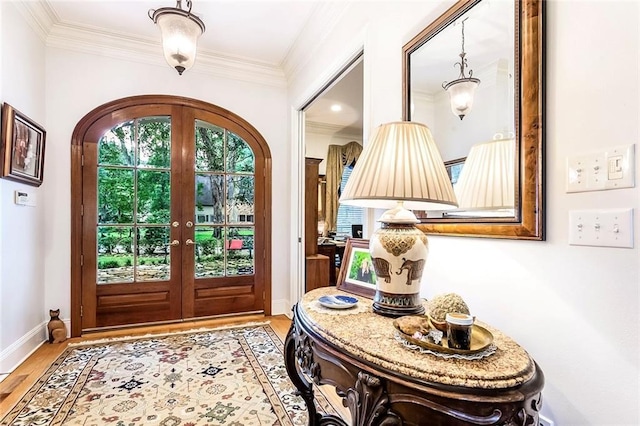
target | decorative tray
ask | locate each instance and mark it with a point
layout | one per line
(481, 338)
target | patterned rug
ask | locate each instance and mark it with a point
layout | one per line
(230, 377)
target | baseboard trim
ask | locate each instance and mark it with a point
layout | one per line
(281, 307)
(17, 352)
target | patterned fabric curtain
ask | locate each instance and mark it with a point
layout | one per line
(337, 157)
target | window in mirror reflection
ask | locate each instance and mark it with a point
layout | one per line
(347, 215)
(489, 43)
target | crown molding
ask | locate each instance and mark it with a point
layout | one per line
(320, 24)
(39, 15)
(97, 41)
(86, 39)
(327, 129)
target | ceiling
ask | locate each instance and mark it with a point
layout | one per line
(347, 93)
(258, 31)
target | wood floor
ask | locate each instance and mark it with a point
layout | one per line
(19, 381)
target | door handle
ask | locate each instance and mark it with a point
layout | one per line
(189, 224)
(174, 243)
(190, 242)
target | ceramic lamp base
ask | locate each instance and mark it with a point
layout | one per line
(398, 252)
(397, 305)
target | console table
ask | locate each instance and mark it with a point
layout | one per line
(382, 382)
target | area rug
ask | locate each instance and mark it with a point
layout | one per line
(231, 377)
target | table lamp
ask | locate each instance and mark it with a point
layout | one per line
(399, 169)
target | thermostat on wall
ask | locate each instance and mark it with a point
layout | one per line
(24, 198)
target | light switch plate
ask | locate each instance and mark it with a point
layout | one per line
(612, 168)
(601, 228)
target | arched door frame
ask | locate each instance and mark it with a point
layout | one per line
(93, 125)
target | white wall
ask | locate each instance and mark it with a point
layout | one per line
(575, 309)
(22, 306)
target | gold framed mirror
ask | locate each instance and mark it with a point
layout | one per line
(497, 49)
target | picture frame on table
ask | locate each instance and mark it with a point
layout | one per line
(357, 275)
(22, 147)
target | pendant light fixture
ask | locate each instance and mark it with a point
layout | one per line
(462, 89)
(180, 31)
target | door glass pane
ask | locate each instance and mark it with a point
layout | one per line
(209, 147)
(239, 155)
(239, 249)
(225, 197)
(209, 198)
(154, 197)
(116, 146)
(240, 199)
(115, 195)
(209, 251)
(115, 254)
(152, 253)
(134, 192)
(154, 142)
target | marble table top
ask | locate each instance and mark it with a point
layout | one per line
(372, 338)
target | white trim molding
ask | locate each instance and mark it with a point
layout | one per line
(16, 353)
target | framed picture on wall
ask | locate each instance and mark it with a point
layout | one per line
(357, 275)
(22, 149)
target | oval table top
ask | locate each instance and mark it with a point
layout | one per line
(372, 337)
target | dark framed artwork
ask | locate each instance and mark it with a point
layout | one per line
(357, 275)
(22, 150)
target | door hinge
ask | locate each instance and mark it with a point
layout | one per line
(81, 209)
(264, 295)
(82, 260)
(81, 311)
(82, 160)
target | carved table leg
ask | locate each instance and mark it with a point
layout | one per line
(298, 358)
(369, 402)
(305, 388)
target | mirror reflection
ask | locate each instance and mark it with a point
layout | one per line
(462, 81)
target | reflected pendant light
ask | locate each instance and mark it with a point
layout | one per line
(180, 31)
(462, 89)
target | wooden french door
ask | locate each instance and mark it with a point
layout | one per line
(174, 219)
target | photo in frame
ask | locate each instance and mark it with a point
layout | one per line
(357, 274)
(22, 149)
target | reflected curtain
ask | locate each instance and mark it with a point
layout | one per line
(338, 156)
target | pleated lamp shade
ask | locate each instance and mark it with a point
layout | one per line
(401, 162)
(486, 181)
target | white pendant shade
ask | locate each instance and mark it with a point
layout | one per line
(401, 162)
(180, 32)
(461, 93)
(487, 179)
